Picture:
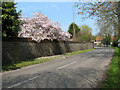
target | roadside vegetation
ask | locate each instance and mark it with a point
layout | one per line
(82, 33)
(113, 73)
(21, 64)
(81, 51)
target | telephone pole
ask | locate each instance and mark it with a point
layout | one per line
(73, 23)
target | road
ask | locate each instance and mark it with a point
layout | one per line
(85, 70)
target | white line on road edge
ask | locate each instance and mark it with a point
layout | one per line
(67, 65)
(22, 82)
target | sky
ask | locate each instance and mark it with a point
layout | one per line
(61, 12)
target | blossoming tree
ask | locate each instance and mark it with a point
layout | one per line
(40, 27)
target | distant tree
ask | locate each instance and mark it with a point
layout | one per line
(85, 34)
(93, 37)
(70, 30)
(10, 19)
(106, 40)
(102, 11)
(109, 27)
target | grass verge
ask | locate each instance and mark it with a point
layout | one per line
(21, 64)
(113, 73)
(81, 51)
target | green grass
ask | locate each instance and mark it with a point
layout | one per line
(113, 73)
(81, 51)
(21, 64)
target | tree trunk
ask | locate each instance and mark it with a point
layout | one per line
(118, 39)
(119, 20)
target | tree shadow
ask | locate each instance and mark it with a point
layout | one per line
(64, 78)
(56, 47)
(67, 47)
(9, 67)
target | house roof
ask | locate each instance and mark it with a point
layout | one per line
(100, 38)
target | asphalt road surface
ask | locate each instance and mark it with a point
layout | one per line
(85, 70)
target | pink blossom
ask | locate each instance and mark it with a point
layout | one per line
(40, 27)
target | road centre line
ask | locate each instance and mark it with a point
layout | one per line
(70, 63)
(38, 76)
(66, 65)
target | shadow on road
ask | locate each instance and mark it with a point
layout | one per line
(64, 78)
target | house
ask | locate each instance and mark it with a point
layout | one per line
(99, 40)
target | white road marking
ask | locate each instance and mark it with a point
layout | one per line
(66, 65)
(22, 82)
(38, 76)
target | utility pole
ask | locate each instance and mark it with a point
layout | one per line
(73, 23)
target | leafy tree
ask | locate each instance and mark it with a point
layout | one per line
(85, 34)
(107, 27)
(71, 30)
(102, 11)
(93, 37)
(10, 19)
(40, 27)
(99, 10)
(106, 40)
